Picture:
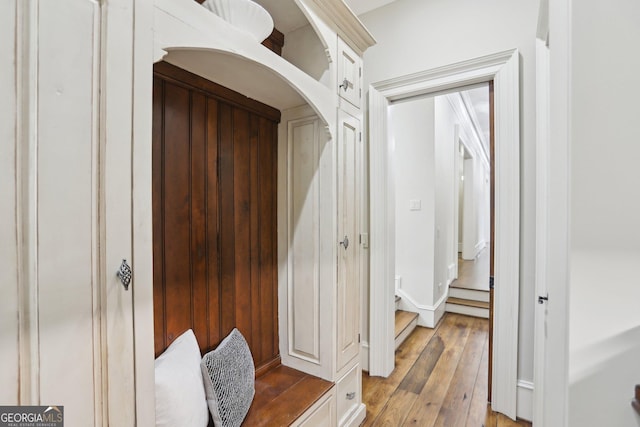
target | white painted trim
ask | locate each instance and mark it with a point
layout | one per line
(357, 417)
(26, 201)
(542, 218)
(553, 168)
(469, 135)
(507, 237)
(428, 315)
(381, 240)
(524, 409)
(364, 356)
(503, 69)
(10, 304)
(142, 236)
(347, 24)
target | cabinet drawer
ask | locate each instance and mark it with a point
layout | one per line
(321, 414)
(348, 394)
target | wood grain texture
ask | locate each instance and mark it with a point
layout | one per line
(402, 320)
(282, 395)
(214, 198)
(376, 390)
(454, 393)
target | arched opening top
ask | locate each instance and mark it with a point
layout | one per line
(256, 80)
(188, 36)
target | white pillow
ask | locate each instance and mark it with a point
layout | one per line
(180, 399)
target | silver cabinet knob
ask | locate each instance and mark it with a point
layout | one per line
(125, 273)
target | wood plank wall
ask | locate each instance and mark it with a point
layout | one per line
(214, 214)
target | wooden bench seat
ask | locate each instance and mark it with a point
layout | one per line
(282, 395)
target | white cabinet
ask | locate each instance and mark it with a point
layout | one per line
(321, 414)
(349, 74)
(349, 395)
(73, 215)
(348, 208)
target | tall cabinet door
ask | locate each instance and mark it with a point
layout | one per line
(348, 289)
(71, 210)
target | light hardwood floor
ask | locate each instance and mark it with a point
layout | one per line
(440, 379)
(474, 274)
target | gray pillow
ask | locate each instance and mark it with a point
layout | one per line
(229, 376)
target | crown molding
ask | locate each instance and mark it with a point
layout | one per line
(348, 24)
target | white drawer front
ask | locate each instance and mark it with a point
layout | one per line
(321, 414)
(349, 394)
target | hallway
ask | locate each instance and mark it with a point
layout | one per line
(473, 274)
(440, 379)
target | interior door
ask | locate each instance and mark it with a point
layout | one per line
(348, 300)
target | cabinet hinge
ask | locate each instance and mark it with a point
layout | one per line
(360, 136)
(360, 92)
(358, 337)
(360, 72)
(491, 285)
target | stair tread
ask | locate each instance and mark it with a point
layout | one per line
(453, 285)
(467, 302)
(403, 319)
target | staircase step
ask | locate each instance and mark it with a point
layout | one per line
(468, 307)
(406, 322)
(469, 294)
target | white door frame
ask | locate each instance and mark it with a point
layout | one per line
(503, 69)
(553, 130)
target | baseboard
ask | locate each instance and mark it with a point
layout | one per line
(451, 273)
(428, 315)
(364, 356)
(357, 417)
(524, 406)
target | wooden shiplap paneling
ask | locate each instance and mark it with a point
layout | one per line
(214, 201)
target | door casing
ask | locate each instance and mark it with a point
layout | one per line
(503, 69)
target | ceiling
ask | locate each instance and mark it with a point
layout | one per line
(479, 99)
(287, 16)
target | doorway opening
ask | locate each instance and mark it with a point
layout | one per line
(503, 70)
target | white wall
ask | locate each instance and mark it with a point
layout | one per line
(446, 148)
(411, 128)
(416, 35)
(604, 212)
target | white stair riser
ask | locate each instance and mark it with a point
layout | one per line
(469, 311)
(469, 294)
